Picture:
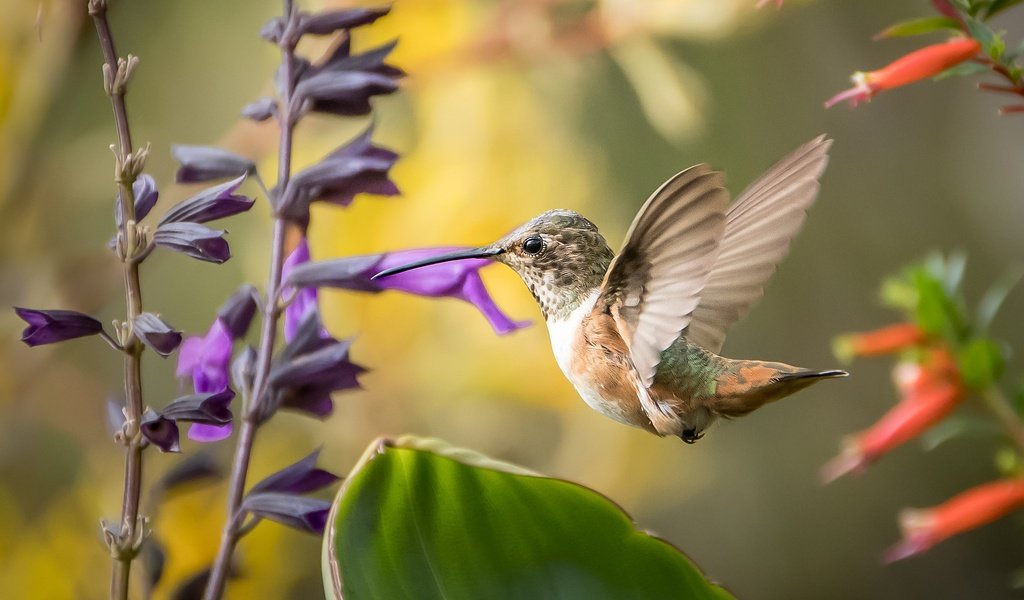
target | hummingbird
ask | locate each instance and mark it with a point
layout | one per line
(638, 333)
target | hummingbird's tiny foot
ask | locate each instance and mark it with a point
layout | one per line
(690, 436)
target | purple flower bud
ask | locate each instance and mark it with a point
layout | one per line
(156, 333)
(298, 478)
(357, 167)
(51, 326)
(204, 410)
(210, 204)
(272, 30)
(345, 93)
(260, 110)
(162, 433)
(195, 240)
(203, 163)
(309, 368)
(327, 22)
(455, 279)
(297, 512)
(371, 61)
(212, 408)
(237, 311)
(145, 193)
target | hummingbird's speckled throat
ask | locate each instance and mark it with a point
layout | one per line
(570, 265)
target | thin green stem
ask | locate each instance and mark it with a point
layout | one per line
(1000, 406)
(127, 539)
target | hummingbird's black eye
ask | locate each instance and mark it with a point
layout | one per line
(533, 245)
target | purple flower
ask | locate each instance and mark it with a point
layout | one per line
(358, 167)
(297, 512)
(203, 163)
(305, 300)
(457, 279)
(298, 478)
(195, 240)
(203, 410)
(310, 367)
(146, 195)
(51, 326)
(156, 333)
(206, 360)
(213, 203)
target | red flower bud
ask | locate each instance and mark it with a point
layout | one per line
(924, 406)
(920, 64)
(880, 341)
(923, 528)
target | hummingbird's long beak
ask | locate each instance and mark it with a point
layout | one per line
(484, 252)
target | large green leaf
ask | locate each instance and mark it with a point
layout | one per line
(419, 519)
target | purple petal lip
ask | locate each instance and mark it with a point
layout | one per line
(298, 478)
(484, 252)
(203, 432)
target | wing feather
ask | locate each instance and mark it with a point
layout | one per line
(759, 227)
(655, 282)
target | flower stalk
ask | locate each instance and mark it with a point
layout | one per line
(125, 540)
(268, 334)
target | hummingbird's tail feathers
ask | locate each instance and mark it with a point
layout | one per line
(749, 384)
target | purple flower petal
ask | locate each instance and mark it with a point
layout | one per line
(474, 292)
(237, 311)
(260, 110)
(304, 303)
(298, 478)
(213, 203)
(309, 368)
(456, 279)
(298, 512)
(161, 432)
(203, 163)
(51, 326)
(206, 359)
(156, 333)
(355, 168)
(194, 240)
(327, 22)
(146, 195)
(201, 432)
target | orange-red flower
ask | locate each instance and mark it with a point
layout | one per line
(920, 64)
(923, 528)
(886, 340)
(930, 390)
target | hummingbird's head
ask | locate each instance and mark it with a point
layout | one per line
(560, 255)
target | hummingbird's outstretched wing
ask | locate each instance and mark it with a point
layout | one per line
(654, 284)
(759, 227)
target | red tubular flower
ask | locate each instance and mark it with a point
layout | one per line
(880, 341)
(929, 391)
(923, 528)
(920, 64)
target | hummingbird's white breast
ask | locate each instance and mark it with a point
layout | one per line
(568, 348)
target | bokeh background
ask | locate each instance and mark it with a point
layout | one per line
(507, 113)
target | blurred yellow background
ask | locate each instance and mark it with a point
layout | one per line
(506, 113)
